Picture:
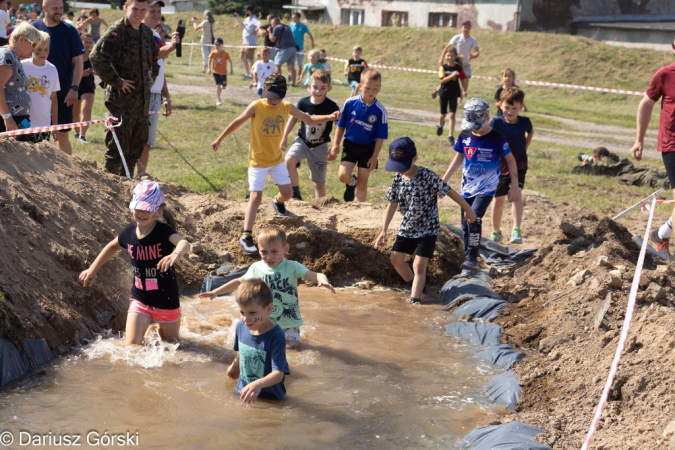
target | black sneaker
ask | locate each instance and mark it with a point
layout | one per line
(297, 196)
(439, 130)
(279, 208)
(350, 191)
(415, 301)
(451, 140)
(247, 245)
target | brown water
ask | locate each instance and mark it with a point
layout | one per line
(373, 373)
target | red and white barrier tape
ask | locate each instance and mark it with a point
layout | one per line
(624, 332)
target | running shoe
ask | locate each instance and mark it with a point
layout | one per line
(516, 237)
(279, 208)
(77, 135)
(350, 191)
(469, 265)
(660, 244)
(451, 140)
(496, 236)
(82, 140)
(247, 245)
(218, 103)
(297, 196)
(439, 130)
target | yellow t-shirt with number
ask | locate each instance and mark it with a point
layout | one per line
(267, 129)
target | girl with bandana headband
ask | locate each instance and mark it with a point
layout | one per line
(153, 247)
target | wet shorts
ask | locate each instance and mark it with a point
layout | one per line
(423, 246)
(505, 183)
(158, 315)
(358, 154)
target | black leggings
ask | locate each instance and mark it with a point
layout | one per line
(669, 162)
(448, 103)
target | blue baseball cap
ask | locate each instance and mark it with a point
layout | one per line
(401, 154)
(218, 41)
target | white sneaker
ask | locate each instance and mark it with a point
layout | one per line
(218, 103)
(82, 140)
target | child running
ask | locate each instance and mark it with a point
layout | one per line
(261, 70)
(364, 126)
(282, 277)
(354, 68)
(508, 77)
(450, 91)
(480, 148)
(153, 247)
(415, 190)
(218, 60)
(85, 94)
(268, 117)
(260, 364)
(43, 84)
(518, 133)
(312, 141)
(313, 65)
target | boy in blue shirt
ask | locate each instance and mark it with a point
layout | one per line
(260, 364)
(364, 127)
(518, 133)
(479, 148)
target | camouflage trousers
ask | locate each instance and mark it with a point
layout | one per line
(132, 134)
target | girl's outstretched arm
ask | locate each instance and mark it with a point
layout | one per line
(319, 279)
(88, 276)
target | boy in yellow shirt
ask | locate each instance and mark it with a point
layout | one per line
(268, 119)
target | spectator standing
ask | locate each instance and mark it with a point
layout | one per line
(11, 11)
(70, 18)
(5, 22)
(299, 30)
(282, 36)
(206, 40)
(249, 37)
(265, 31)
(126, 61)
(467, 47)
(66, 54)
(94, 22)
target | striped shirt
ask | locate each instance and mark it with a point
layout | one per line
(364, 123)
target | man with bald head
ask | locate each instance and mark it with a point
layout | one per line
(66, 54)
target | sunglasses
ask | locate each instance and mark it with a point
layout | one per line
(32, 44)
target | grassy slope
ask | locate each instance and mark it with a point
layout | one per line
(550, 57)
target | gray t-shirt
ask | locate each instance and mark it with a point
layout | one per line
(16, 89)
(284, 36)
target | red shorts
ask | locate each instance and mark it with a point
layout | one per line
(158, 315)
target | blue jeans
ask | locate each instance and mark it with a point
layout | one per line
(473, 231)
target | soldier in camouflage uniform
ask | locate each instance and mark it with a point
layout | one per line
(125, 58)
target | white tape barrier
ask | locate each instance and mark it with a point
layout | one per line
(527, 82)
(624, 332)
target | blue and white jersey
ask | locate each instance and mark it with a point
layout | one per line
(481, 162)
(364, 124)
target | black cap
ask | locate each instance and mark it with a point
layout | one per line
(249, 8)
(401, 154)
(275, 86)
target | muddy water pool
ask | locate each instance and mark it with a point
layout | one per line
(373, 372)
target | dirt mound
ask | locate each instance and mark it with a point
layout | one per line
(57, 213)
(586, 266)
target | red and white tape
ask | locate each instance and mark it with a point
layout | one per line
(624, 332)
(50, 128)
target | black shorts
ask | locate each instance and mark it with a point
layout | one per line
(221, 80)
(423, 246)
(85, 88)
(669, 163)
(65, 114)
(448, 103)
(357, 153)
(505, 183)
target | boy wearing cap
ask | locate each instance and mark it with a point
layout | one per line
(268, 118)
(415, 190)
(480, 148)
(218, 60)
(467, 47)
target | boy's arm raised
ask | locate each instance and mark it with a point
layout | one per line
(314, 119)
(88, 276)
(228, 287)
(320, 279)
(248, 113)
(388, 215)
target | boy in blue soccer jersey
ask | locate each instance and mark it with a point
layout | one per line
(260, 364)
(364, 127)
(480, 148)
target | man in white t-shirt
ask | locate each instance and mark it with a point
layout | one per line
(467, 48)
(248, 37)
(4, 23)
(159, 89)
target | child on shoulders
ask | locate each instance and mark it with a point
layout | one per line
(282, 276)
(415, 190)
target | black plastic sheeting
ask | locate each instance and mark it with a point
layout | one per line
(496, 255)
(476, 333)
(15, 365)
(482, 302)
(481, 308)
(504, 389)
(509, 436)
(502, 356)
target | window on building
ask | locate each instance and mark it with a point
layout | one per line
(394, 19)
(442, 20)
(352, 16)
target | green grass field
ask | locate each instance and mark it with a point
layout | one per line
(185, 156)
